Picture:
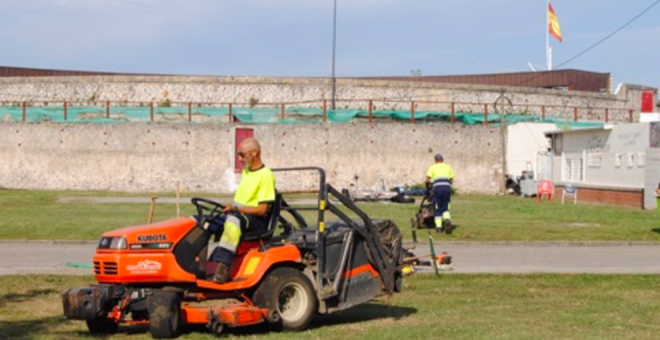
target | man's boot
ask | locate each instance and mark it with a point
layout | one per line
(221, 273)
(446, 226)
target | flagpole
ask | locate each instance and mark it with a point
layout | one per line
(548, 52)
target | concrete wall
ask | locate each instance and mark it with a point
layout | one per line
(309, 92)
(153, 157)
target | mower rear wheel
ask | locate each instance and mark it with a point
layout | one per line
(289, 292)
(164, 315)
(102, 326)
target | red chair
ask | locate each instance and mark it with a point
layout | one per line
(545, 188)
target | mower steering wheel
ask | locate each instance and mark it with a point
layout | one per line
(213, 208)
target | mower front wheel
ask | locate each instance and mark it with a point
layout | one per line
(102, 326)
(164, 315)
(288, 292)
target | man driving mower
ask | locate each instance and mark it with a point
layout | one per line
(249, 210)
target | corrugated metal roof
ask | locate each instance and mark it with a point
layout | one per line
(573, 80)
(6, 71)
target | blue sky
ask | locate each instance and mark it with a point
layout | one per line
(294, 37)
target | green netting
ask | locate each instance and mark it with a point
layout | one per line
(259, 115)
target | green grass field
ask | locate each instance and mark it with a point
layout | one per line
(450, 307)
(38, 215)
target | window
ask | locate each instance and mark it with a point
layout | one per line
(641, 159)
(631, 160)
(594, 160)
(573, 168)
(617, 160)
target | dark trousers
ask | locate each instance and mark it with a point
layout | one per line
(441, 198)
(216, 227)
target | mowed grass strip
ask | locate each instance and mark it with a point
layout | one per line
(450, 307)
(38, 215)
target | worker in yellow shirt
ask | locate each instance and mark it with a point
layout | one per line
(439, 179)
(255, 193)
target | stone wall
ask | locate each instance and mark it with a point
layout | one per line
(310, 92)
(153, 157)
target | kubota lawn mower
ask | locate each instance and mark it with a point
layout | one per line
(157, 275)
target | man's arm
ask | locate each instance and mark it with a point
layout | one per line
(259, 210)
(451, 177)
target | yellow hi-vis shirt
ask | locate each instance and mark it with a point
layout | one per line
(256, 187)
(440, 174)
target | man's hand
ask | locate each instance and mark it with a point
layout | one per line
(229, 208)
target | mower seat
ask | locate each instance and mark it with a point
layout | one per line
(273, 216)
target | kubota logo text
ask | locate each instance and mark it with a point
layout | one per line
(152, 238)
(146, 266)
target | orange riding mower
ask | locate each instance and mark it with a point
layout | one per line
(158, 274)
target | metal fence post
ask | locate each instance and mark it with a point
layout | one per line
(283, 109)
(607, 115)
(412, 112)
(575, 114)
(371, 110)
(66, 110)
(24, 111)
(231, 113)
(485, 114)
(189, 111)
(325, 110)
(630, 115)
(453, 112)
(543, 112)
(107, 109)
(151, 111)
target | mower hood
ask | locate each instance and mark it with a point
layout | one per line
(161, 235)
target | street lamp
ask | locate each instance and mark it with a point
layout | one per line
(334, 48)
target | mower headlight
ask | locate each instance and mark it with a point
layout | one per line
(113, 243)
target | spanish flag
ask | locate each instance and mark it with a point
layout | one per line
(553, 24)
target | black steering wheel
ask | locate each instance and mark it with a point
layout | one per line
(213, 208)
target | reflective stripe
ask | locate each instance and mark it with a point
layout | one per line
(446, 184)
(438, 179)
(226, 245)
(446, 215)
(233, 219)
(438, 222)
(231, 236)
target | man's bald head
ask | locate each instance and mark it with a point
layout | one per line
(249, 152)
(249, 145)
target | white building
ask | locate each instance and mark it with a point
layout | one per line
(616, 164)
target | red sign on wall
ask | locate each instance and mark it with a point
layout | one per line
(648, 102)
(240, 134)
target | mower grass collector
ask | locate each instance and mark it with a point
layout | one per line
(157, 275)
